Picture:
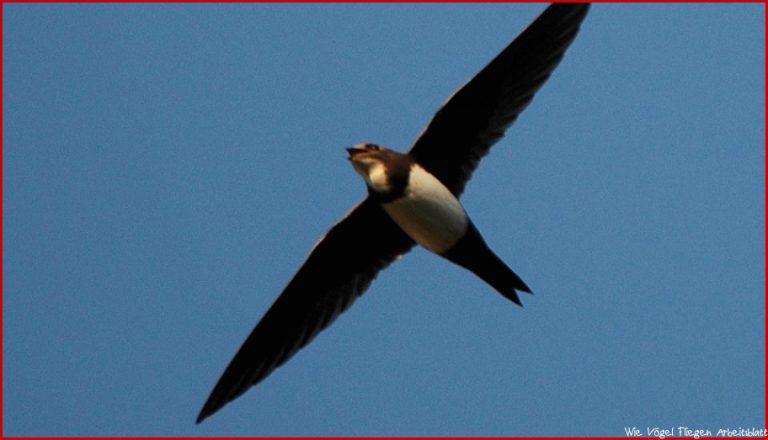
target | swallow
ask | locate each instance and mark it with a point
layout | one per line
(412, 198)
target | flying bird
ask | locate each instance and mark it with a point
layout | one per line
(413, 198)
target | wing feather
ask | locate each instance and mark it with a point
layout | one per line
(338, 270)
(477, 115)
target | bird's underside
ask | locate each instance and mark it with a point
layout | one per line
(345, 261)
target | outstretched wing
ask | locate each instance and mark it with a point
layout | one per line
(337, 271)
(479, 113)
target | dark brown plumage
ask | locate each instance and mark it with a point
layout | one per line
(343, 264)
(477, 115)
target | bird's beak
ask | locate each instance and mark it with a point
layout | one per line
(354, 151)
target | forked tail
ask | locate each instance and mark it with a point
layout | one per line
(472, 253)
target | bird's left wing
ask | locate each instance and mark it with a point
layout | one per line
(478, 114)
(337, 271)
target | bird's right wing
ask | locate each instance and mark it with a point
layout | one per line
(337, 271)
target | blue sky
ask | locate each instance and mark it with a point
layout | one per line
(168, 167)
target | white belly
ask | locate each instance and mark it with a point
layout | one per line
(428, 212)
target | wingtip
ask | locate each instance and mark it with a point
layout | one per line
(204, 414)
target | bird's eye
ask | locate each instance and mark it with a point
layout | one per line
(373, 147)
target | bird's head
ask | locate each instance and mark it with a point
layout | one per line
(380, 167)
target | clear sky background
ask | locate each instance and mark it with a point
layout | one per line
(168, 167)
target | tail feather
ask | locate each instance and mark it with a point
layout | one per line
(473, 254)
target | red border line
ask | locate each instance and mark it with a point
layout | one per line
(2, 96)
(368, 1)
